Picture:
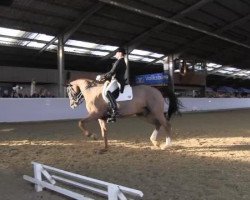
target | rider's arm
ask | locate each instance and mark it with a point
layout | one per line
(109, 74)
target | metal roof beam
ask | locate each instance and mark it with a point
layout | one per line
(194, 7)
(213, 55)
(236, 73)
(156, 60)
(234, 23)
(136, 41)
(217, 69)
(19, 40)
(226, 76)
(182, 49)
(71, 29)
(22, 39)
(68, 31)
(131, 45)
(233, 76)
(147, 12)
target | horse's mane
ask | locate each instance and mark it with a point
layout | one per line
(90, 84)
(88, 76)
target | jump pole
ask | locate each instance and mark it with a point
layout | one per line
(48, 177)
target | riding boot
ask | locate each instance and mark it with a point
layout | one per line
(113, 106)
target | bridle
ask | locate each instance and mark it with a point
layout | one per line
(77, 98)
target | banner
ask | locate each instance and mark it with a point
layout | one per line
(152, 79)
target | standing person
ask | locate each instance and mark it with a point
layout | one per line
(32, 87)
(118, 76)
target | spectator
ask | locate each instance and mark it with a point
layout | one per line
(6, 94)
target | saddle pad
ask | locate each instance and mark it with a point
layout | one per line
(126, 95)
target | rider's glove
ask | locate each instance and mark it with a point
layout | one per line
(98, 78)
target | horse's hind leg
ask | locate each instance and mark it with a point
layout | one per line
(161, 125)
(167, 127)
(153, 138)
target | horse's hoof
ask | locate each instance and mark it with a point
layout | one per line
(154, 148)
(101, 151)
(87, 134)
(165, 146)
(93, 136)
(155, 143)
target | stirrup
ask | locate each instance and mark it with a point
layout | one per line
(112, 119)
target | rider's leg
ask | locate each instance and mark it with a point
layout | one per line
(112, 92)
(113, 106)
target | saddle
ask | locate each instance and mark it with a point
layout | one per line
(125, 96)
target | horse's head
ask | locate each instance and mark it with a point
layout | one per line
(75, 95)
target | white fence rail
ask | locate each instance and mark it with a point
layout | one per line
(43, 109)
(48, 177)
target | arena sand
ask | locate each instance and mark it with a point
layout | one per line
(209, 159)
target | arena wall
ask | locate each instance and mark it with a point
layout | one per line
(45, 109)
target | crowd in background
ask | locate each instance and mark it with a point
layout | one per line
(220, 92)
(227, 92)
(43, 92)
(20, 93)
(227, 95)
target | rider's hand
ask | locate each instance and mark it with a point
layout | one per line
(98, 78)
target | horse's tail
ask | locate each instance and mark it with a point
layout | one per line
(174, 103)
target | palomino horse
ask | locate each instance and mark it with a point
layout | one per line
(147, 101)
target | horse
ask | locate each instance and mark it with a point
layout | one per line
(147, 102)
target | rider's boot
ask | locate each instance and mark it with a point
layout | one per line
(113, 106)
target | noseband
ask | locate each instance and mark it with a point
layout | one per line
(74, 96)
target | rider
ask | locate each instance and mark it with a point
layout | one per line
(118, 73)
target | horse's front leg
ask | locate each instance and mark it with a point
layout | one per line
(83, 122)
(153, 137)
(103, 126)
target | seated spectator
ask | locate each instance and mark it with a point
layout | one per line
(6, 94)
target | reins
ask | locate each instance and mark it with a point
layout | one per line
(91, 84)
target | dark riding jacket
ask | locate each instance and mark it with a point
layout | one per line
(120, 72)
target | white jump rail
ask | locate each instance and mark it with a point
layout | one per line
(48, 177)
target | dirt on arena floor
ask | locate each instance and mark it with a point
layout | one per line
(209, 159)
